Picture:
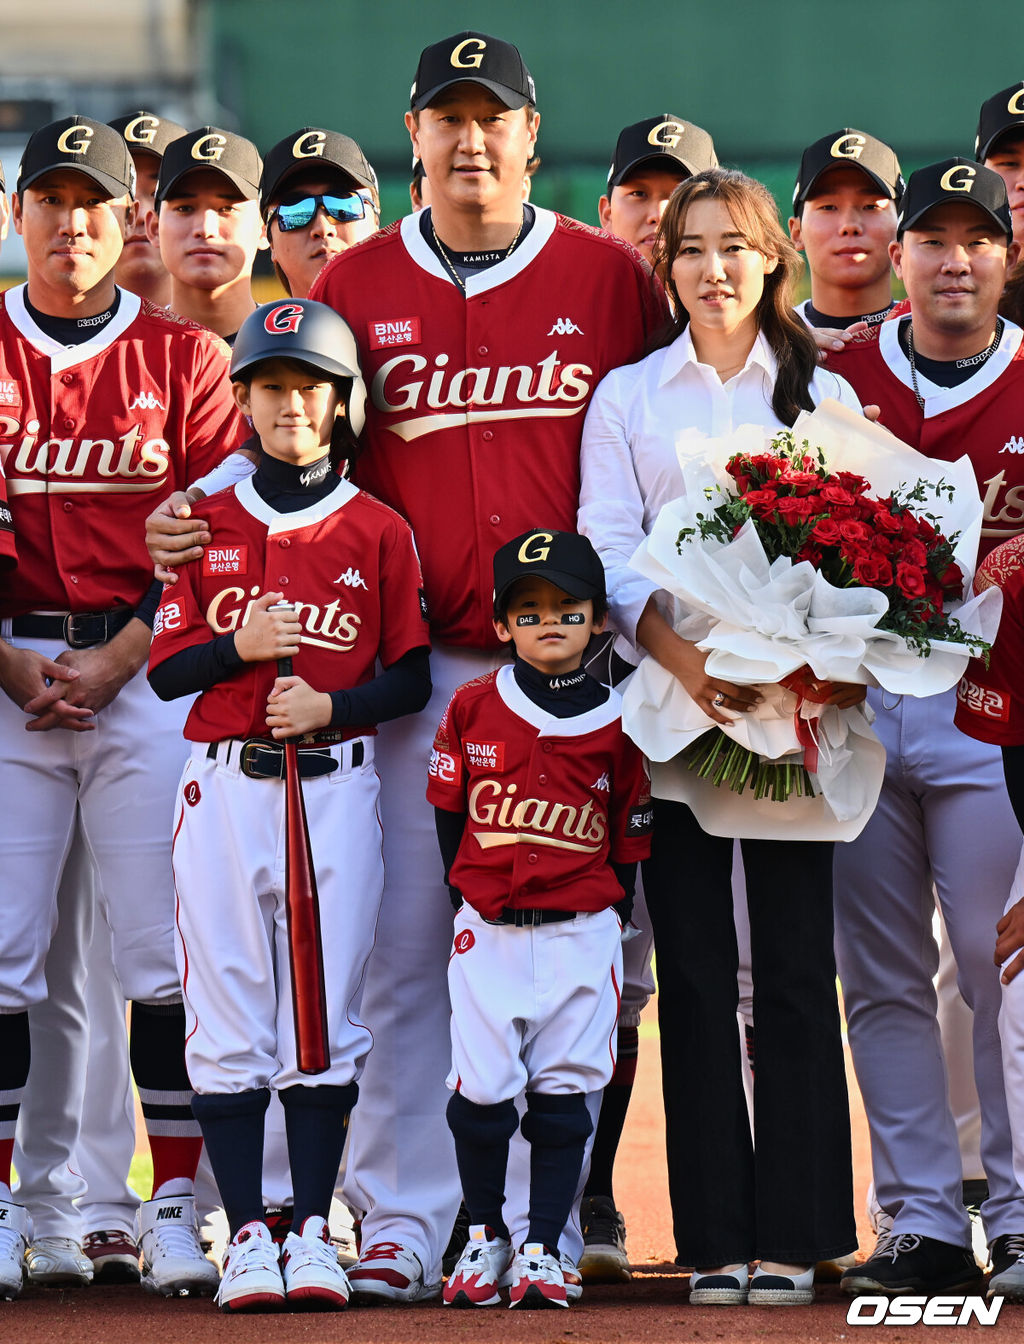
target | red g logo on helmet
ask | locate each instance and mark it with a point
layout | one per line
(285, 317)
(464, 940)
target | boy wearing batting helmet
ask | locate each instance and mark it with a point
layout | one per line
(543, 810)
(344, 565)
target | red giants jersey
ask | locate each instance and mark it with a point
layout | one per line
(983, 417)
(8, 547)
(477, 401)
(990, 700)
(349, 564)
(93, 437)
(549, 801)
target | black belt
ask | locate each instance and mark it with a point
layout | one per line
(525, 919)
(79, 629)
(261, 759)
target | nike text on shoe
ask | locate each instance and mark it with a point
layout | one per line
(252, 1273)
(475, 1280)
(389, 1272)
(313, 1279)
(173, 1263)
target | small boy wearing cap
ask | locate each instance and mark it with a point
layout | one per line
(543, 810)
(295, 530)
(318, 196)
(651, 158)
(141, 268)
(208, 228)
(847, 194)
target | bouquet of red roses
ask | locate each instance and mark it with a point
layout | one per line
(817, 561)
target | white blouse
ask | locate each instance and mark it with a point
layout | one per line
(637, 418)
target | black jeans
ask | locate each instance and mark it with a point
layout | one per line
(788, 1196)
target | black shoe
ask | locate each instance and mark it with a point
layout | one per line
(456, 1242)
(908, 1263)
(604, 1258)
(1007, 1268)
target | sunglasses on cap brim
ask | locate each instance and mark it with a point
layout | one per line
(297, 211)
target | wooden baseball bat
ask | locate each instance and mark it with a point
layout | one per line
(302, 910)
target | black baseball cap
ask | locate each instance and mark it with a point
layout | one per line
(86, 146)
(232, 156)
(1003, 112)
(310, 147)
(565, 559)
(955, 180)
(475, 57)
(146, 133)
(665, 141)
(848, 148)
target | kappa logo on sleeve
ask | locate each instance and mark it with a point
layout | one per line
(386, 333)
(485, 755)
(10, 392)
(445, 767)
(225, 560)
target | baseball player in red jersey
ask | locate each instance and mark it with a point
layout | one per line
(318, 196)
(948, 378)
(295, 531)
(651, 158)
(543, 812)
(999, 145)
(141, 268)
(107, 401)
(483, 327)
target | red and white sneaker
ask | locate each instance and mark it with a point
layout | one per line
(537, 1279)
(389, 1272)
(252, 1275)
(479, 1270)
(114, 1256)
(309, 1266)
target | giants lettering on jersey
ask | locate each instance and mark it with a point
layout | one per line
(400, 331)
(327, 627)
(1004, 507)
(984, 700)
(514, 391)
(533, 821)
(129, 464)
(225, 560)
(485, 755)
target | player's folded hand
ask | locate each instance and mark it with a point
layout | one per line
(38, 685)
(1010, 939)
(268, 635)
(294, 708)
(173, 536)
(104, 670)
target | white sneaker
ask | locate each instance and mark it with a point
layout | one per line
(478, 1273)
(13, 1240)
(388, 1272)
(572, 1278)
(309, 1266)
(52, 1261)
(252, 1274)
(173, 1263)
(537, 1279)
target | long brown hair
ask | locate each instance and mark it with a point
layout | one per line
(752, 209)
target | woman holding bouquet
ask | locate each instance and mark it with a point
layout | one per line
(735, 354)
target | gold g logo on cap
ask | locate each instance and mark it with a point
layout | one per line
(959, 178)
(464, 60)
(209, 148)
(142, 131)
(1015, 106)
(666, 133)
(533, 548)
(309, 145)
(80, 146)
(848, 147)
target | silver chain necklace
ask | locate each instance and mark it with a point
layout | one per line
(451, 265)
(960, 363)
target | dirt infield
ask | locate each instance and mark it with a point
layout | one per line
(653, 1309)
